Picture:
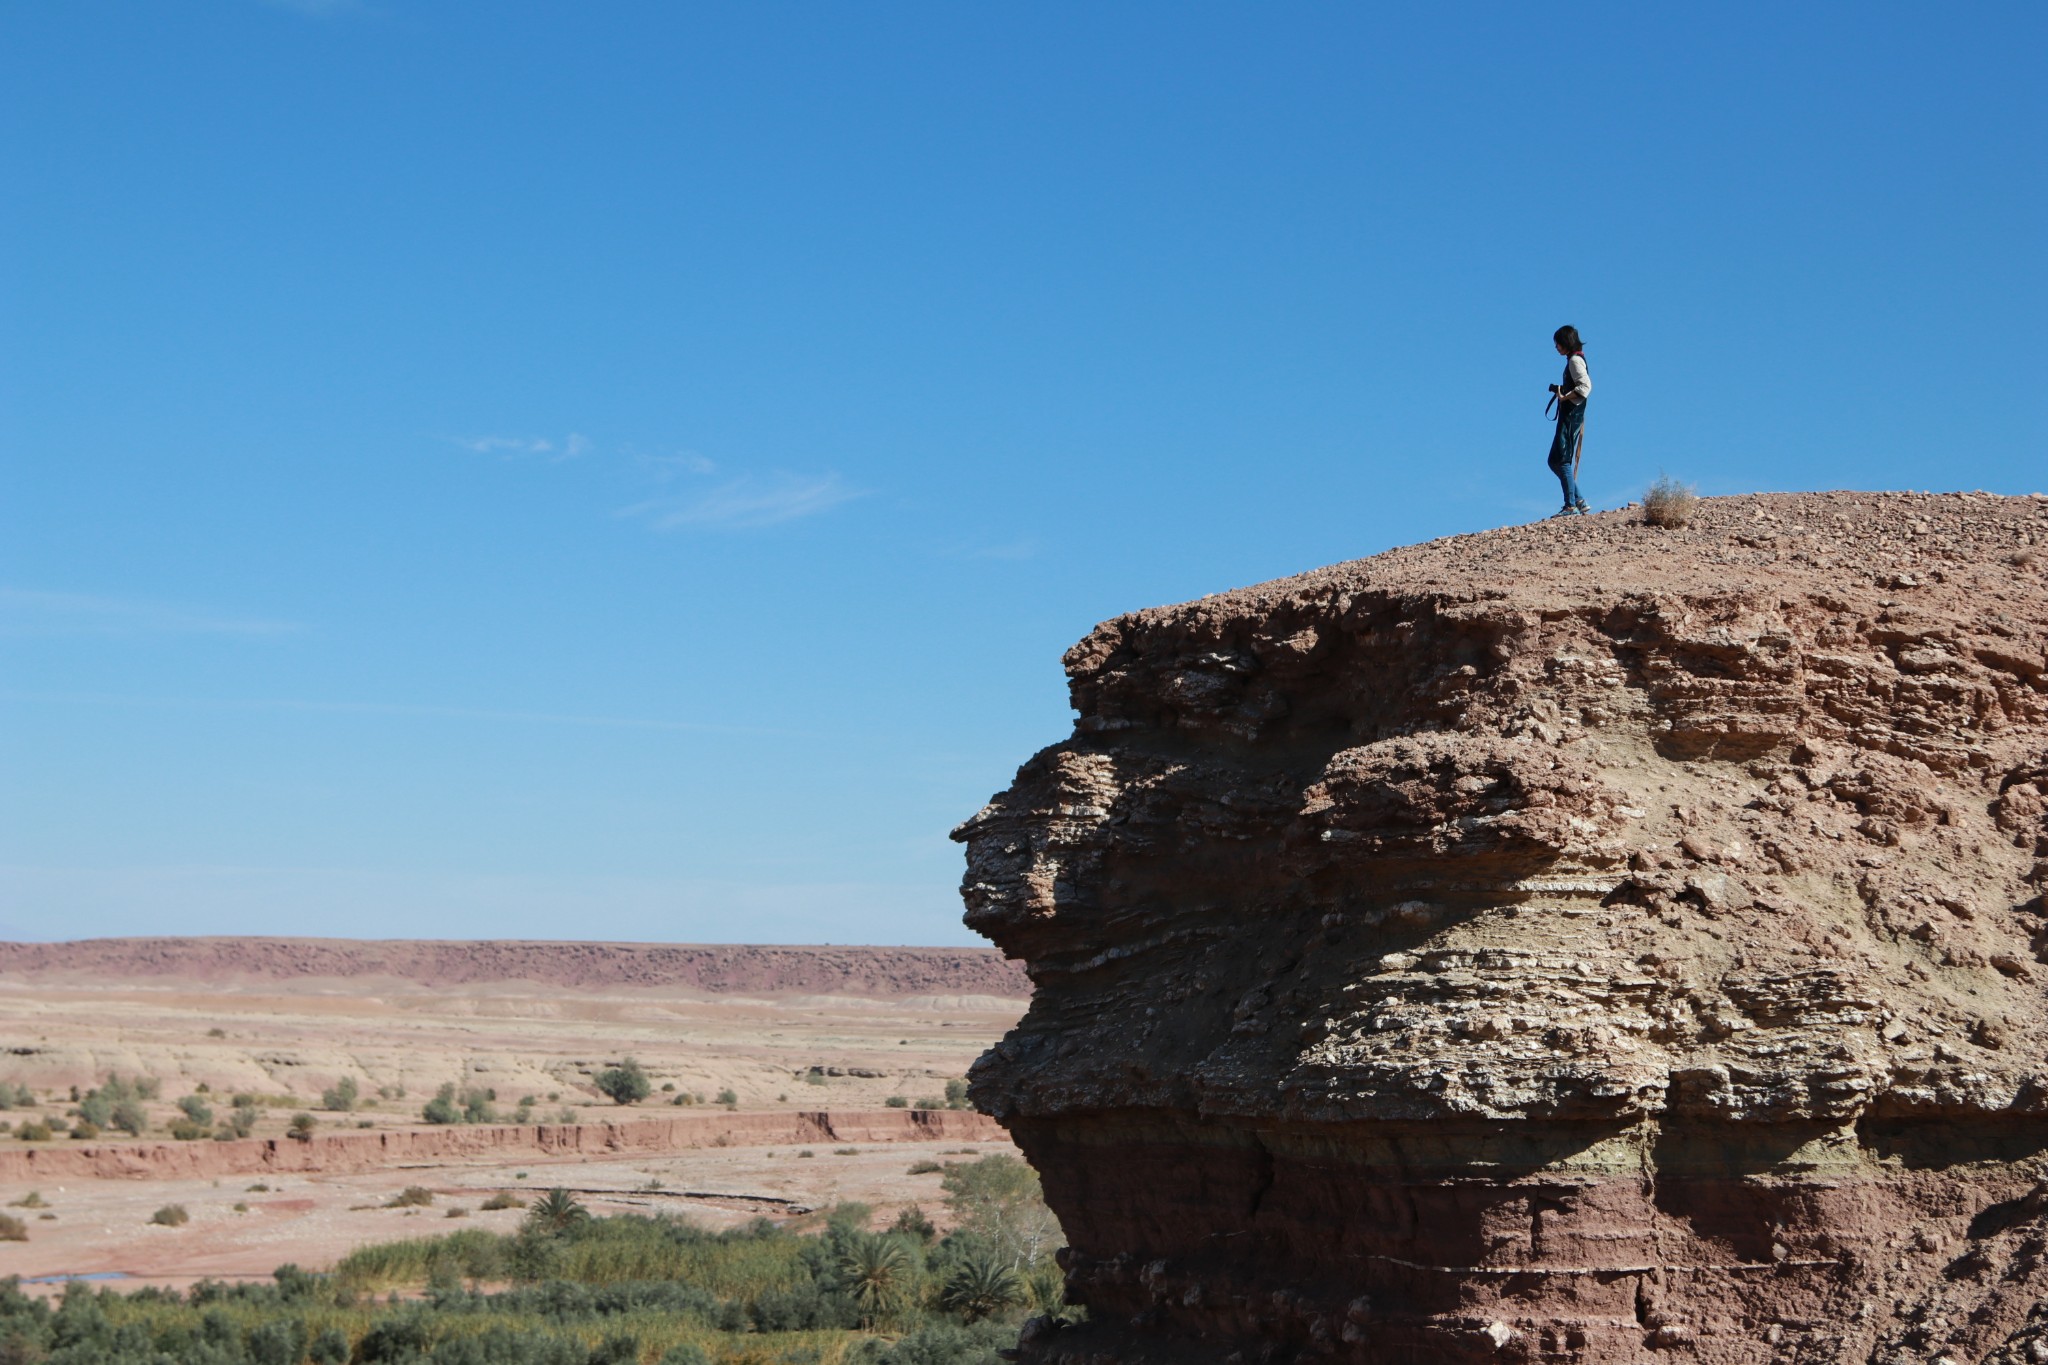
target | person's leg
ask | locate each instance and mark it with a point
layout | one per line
(1574, 428)
(1561, 463)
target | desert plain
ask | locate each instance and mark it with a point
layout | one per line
(782, 1081)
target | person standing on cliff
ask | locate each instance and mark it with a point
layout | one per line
(1570, 397)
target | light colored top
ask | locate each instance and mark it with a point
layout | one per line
(1578, 384)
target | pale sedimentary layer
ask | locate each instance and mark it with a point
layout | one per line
(1579, 942)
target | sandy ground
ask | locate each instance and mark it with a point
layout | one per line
(288, 1044)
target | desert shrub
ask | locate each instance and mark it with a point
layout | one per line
(85, 1128)
(729, 1098)
(411, 1197)
(442, 1108)
(476, 1106)
(956, 1095)
(340, 1097)
(35, 1130)
(928, 1102)
(216, 1032)
(241, 1120)
(897, 1102)
(301, 1126)
(185, 1130)
(171, 1216)
(12, 1229)
(846, 1151)
(1669, 502)
(130, 1117)
(13, 1096)
(32, 1200)
(196, 1109)
(625, 1083)
(503, 1199)
(925, 1168)
(911, 1222)
(457, 1211)
(806, 1152)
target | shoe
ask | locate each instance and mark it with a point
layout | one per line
(1564, 512)
(1582, 508)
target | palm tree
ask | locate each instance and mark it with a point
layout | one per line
(556, 1211)
(981, 1286)
(877, 1273)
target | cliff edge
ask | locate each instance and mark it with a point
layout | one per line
(1574, 942)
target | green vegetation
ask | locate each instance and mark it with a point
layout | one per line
(411, 1197)
(466, 1106)
(578, 1290)
(897, 1101)
(625, 1083)
(340, 1097)
(503, 1199)
(13, 1096)
(12, 1229)
(118, 1103)
(171, 1216)
(35, 1130)
(301, 1126)
(729, 1098)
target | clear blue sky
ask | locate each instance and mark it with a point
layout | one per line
(630, 470)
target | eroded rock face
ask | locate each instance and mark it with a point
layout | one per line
(1577, 942)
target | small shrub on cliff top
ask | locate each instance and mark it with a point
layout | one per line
(302, 1127)
(196, 1109)
(956, 1095)
(1669, 503)
(85, 1129)
(340, 1097)
(729, 1098)
(171, 1216)
(35, 1130)
(896, 1102)
(12, 1229)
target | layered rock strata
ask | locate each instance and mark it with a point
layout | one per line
(1577, 942)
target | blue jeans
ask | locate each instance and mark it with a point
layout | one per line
(1571, 422)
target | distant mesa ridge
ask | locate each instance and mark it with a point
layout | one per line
(714, 968)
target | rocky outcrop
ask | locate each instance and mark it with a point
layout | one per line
(713, 968)
(1577, 942)
(341, 1153)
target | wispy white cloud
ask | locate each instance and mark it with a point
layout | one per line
(662, 468)
(746, 502)
(574, 446)
(29, 611)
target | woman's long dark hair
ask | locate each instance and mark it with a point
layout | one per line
(1568, 337)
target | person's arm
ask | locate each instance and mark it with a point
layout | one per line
(1581, 382)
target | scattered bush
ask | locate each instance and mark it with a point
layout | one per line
(196, 1109)
(12, 1229)
(625, 1083)
(912, 1223)
(301, 1126)
(503, 1199)
(258, 1188)
(85, 1128)
(956, 1095)
(35, 1130)
(925, 1168)
(171, 1216)
(806, 1152)
(442, 1108)
(457, 1211)
(929, 1103)
(340, 1097)
(729, 1098)
(32, 1200)
(411, 1197)
(897, 1102)
(216, 1032)
(1668, 502)
(185, 1130)
(15, 1096)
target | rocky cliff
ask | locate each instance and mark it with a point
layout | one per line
(1576, 942)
